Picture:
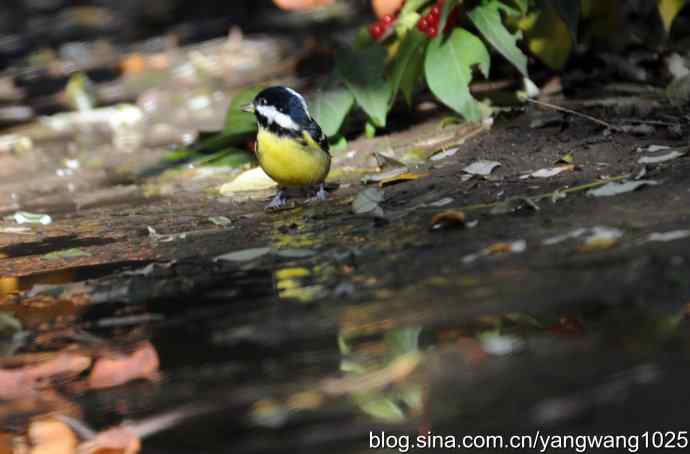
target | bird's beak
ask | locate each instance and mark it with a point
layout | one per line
(249, 108)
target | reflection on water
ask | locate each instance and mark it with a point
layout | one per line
(9, 285)
(394, 402)
(279, 375)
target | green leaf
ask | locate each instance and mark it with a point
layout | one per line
(362, 72)
(406, 23)
(487, 18)
(448, 69)
(236, 121)
(408, 65)
(569, 11)
(411, 6)
(330, 107)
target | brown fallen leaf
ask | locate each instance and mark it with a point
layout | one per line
(499, 248)
(143, 362)
(406, 176)
(448, 218)
(50, 436)
(23, 381)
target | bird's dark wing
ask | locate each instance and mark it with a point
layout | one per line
(314, 130)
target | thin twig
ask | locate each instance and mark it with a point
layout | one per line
(650, 122)
(573, 112)
(548, 195)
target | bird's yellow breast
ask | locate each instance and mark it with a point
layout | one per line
(290, 162)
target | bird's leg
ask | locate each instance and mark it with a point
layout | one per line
(278, 201)
(320, 196)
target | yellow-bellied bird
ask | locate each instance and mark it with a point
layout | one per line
(290, 145)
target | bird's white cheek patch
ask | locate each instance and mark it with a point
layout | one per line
(272, 115)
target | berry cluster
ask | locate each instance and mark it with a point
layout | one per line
(429, 24)
(378, 29)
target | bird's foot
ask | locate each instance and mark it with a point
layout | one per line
(278, 201)
(320, 196)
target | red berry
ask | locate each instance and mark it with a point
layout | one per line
(387, 19)
(432, 32)
(433, 20)
(376, 31)
(440, 3)
(435, 11)
(423, 24)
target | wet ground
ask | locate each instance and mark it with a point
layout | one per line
(202, 323)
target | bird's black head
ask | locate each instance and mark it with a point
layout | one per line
(282, 109)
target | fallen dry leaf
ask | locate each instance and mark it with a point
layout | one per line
(406, 176)
(481, 167)
(120, 439)
(50, 436)
(600, 239)
(143, 362)
(599, 244)
(551, 171)
(497, 248)
(500, 248)
(448, 218)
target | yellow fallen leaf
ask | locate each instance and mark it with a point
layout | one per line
(252, 180)
(602, 237)
(597, 245)
(499, 248)
(407, 176)
(448, 218)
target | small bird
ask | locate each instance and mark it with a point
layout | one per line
(290, 145)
